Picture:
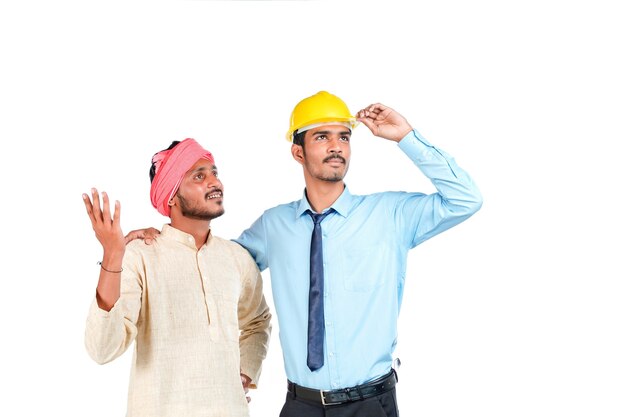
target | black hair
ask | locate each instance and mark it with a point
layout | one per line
(153, 168)
(298, 138)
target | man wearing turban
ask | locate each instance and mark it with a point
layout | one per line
(192, 302)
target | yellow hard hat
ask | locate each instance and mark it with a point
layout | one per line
(319, 108)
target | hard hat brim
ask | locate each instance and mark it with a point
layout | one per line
(351, 120)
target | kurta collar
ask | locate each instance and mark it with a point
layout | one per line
(179, 236)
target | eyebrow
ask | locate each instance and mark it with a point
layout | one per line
(326, 132)
(200, 169)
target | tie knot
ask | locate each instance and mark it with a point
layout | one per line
(318, 217)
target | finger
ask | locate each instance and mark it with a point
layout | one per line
(152, 233)
(97, 212)
(363, 115)
(369, 123)
(384, 114)
(135, 234)
(116, 215)
(369, 111)
(377, 108)
(132, 236)
(373, 113)
(106, 210)
(88, 207)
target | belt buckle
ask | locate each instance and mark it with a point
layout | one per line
(324, 403)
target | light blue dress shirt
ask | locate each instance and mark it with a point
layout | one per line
(365, 244)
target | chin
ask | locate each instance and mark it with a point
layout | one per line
(205, 215)
(336, 177)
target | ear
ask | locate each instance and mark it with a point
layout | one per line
(298, 153)
(171, 202)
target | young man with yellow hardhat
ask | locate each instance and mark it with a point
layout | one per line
(338, 260)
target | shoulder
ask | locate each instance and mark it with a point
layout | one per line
(275, 215)
(232, 248)
(238, 254)
(381, 197)
(281, 209)
(137, 247)
(227, 244)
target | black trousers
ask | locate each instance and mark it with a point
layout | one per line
(383, 405)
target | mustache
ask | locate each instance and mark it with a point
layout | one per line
(335, 156)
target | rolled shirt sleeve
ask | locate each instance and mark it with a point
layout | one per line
(109, 333)
(254, 322)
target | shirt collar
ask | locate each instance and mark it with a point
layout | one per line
(342, 205)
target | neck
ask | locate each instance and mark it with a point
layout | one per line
(199, 229)
(322, 194)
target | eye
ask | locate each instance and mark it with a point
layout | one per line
(215, 173)
(345, 138)
(199, 177)
(320, 137)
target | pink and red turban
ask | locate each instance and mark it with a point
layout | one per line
(170, 167)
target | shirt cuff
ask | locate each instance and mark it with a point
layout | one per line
(423, 153)
(252, 368)
(416, 147)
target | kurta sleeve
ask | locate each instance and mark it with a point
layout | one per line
(109, 333)
(254, 322)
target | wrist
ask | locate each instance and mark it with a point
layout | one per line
(112, 259)
(403, 134)
(113, 254)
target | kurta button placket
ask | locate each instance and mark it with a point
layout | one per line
(204, 283)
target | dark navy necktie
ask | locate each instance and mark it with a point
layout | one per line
(315, 342)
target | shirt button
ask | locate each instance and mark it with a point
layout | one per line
(331, 354)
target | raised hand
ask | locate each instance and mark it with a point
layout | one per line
(110, 236)
(384, 122)
(107, 228)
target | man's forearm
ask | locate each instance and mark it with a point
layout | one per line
(108, 290)
(254, 344)
(453, 184)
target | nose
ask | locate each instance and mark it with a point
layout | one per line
(213, 182)
(334, 145)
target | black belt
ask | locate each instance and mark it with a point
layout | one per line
(345, 395)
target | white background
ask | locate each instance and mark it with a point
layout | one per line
(517, 312)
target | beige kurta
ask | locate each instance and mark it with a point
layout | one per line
(197, 316)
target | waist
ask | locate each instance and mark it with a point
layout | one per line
(345, 395)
